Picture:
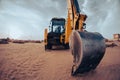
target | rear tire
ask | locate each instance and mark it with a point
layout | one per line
(67, 46)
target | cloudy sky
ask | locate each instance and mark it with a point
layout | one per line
(27, 19)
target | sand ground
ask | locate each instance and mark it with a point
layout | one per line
(29, 61)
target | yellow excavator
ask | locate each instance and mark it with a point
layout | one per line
(87, 48)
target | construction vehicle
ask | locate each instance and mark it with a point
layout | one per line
(87, 48)
(56, 34)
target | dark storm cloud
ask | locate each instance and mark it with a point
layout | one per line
(103, 16)
(26, 19)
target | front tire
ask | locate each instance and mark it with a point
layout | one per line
(45, 47)
(49, 46)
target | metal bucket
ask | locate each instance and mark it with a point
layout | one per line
(88, 49)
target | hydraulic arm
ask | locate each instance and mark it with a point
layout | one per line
(87, 48)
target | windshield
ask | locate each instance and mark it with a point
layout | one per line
(57, 26)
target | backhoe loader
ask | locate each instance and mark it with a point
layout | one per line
(56, 34)
(87, 48)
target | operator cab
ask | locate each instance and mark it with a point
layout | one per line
(56, 29)
(57, 25)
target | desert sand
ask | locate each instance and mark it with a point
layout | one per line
(30, 61)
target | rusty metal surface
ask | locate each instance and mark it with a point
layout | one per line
(88, 49)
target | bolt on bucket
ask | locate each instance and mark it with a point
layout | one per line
(87, 49)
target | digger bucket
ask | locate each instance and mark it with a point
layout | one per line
(87, 49)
